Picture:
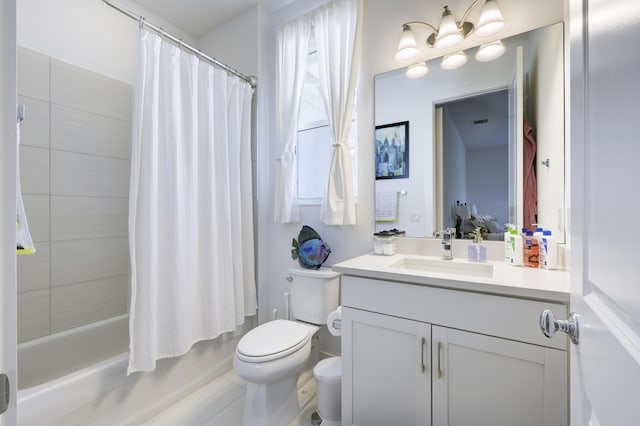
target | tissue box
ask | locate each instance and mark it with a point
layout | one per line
(384, 245)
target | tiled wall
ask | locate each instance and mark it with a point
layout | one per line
(74, 161)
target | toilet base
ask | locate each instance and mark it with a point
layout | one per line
(271, 404)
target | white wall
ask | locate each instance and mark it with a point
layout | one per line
(488, 181)
(86, 33)
(235, 43)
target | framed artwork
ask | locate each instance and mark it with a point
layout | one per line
(392, 150)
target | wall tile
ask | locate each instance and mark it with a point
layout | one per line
(81, 89)
(33, 315)
(74, 218)
(33, 74)
(34, 129)
(34, 170)
(85, 132)
(78, 304)
(33, 269)
(86, 260)
(37, 209)
(75, 174)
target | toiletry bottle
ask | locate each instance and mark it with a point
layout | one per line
(548, 251)
(531, 251)
(517, 248)
(538, 234)
(508, 251)
(538, 231)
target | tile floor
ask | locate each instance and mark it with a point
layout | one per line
(220, 403)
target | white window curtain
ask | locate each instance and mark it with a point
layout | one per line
(292, 50)
(337, 32)
(190, 207)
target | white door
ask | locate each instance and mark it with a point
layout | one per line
(605, 202)
(8, 211)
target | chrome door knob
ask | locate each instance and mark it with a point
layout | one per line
(550, 325)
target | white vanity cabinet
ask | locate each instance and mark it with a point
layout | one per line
(423, 355)
(390, 369)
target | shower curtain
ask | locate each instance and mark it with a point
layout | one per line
(190, 203)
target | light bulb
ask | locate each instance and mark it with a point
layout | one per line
(490, 51)
(453, 61)
(491, 21)
(448, 33)
(407, 47)
(417, 70)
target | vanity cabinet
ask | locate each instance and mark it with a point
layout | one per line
(390, 380)
(420, 355)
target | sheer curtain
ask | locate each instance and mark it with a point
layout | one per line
(292, 51)
(190, 207)
(337, 31)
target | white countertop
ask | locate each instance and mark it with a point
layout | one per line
(532, 283)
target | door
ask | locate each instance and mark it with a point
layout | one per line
(483, 380)
(8, 157)
(390, 380)
(605, 174)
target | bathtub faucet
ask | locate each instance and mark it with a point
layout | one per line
(447, 235)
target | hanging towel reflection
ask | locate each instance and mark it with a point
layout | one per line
(386, 206)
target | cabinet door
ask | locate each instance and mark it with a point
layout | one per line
(387, 370)
(482, 380)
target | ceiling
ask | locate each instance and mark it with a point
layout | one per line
(198, 17)
(469, 115)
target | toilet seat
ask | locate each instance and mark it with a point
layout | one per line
(272, 340)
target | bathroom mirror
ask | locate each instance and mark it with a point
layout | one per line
(482, 105)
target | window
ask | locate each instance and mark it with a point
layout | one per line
(314, 149)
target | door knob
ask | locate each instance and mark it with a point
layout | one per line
(550, 325)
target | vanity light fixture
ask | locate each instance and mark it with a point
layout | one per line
(451, 32)
(453, 60)
(490, 51)
(417, 70)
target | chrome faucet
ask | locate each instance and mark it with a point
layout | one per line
(447, 240)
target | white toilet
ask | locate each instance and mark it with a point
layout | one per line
(269, 356)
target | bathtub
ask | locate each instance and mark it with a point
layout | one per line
(78, 376)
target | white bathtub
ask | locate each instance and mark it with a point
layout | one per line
(78, 377)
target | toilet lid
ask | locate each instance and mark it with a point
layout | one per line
(272, 340)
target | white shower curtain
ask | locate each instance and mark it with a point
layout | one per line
(190, 208)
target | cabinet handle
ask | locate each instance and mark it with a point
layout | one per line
(439, 367)
(422, 364)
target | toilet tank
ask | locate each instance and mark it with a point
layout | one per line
(314, 294)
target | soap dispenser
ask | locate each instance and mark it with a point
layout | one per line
(477, 252)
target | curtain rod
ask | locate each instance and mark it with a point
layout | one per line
(251, 80)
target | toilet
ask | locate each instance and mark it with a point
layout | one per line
(269, 357)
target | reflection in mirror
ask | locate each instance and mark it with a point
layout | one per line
(534, 92)
(475, 162)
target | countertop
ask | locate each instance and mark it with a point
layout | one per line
(506, 280)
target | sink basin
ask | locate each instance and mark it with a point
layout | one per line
(445, 266)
